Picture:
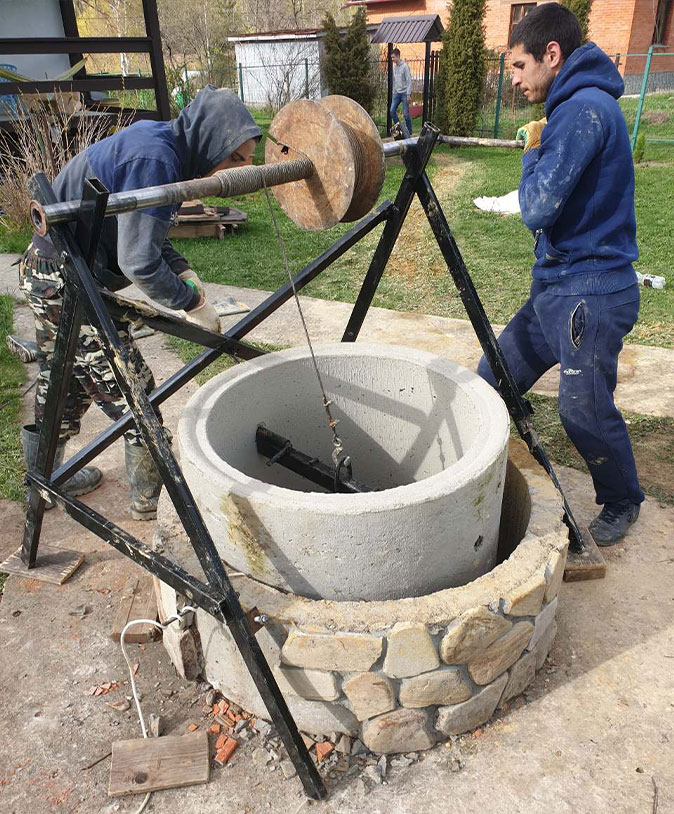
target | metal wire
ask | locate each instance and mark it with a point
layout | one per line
(337, 447)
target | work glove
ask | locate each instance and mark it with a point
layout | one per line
(190, 278)
(204, 315)
(530, 134)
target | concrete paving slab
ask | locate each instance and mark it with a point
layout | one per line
(645, 373)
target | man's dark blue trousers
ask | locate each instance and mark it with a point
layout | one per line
(585, 335)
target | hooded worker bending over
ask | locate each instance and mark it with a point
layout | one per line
(213, 132)
(577, 197)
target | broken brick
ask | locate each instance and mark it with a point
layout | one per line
(323, 750)
(221, 741)
(214, 729)
(224, 754)
(192, 727)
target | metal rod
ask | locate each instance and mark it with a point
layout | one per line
(392, 148)
(244, 326)
(416, 159)
(223, 184)
(159, 566)
(279, 450)
(79, 278)
(518, 407)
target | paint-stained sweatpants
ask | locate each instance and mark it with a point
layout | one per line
(92, 381)
(585, 335)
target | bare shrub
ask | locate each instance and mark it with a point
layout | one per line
(45, 136)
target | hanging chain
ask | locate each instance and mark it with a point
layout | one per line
(338, 457)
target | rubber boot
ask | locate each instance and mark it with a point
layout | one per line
(81, 483)
(144, 482)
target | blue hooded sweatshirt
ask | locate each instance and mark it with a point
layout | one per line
(134, 246)
(577, 189)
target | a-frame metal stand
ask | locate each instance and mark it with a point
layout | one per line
(83, 298)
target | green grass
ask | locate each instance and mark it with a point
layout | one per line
(497, 249)
(188, 350)
(652, 441)
(14, 242)
(11, 379)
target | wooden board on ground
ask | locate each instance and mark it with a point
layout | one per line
(137, 601)
(53, 565)
(196, 219)
(202, 229)
(150, 764)
(590, 564)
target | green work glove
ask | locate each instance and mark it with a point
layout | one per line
(530, 134)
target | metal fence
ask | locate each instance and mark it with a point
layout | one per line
(503, 107)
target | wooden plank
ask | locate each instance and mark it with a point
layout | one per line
(207, 229)
(137, 601)
(151, 764)
(54, 565)
(590, 564)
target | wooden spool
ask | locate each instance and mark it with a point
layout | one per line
(343, 144)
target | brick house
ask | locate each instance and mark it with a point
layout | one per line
(618, 26)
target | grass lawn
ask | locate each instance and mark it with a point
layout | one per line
(497, 251)
(12, 375)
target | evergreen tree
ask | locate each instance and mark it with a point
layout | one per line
(347, 66)
(581, 8)
(462, 68)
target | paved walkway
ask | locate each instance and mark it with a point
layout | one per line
(645, 375)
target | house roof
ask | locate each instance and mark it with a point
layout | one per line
(418, 28)
(289, 34)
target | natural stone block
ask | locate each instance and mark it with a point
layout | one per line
(314, 685)
(543, 621)
(440, 687)
(544, 644)
(471, 633)
(410, 651)
(347, 652)
(500, 655)
(520, 676)
(182, 648)
(461, 717)
(370, 694)
(554, 574)
(526, 599)
(404, 730)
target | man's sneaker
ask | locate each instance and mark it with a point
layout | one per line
(611, 524)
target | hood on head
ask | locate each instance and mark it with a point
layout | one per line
(587, 67)
(210, 128)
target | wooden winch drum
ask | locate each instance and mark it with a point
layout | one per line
(340, 139)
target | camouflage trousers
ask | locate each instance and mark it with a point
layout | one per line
(92, 381)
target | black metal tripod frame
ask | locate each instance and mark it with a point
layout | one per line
(84, 299)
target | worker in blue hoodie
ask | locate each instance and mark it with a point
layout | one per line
(577, 197)
(213, 132)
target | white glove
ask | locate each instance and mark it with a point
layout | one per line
(188, 276)
(205, 316)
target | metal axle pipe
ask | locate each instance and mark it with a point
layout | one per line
(392, 148)
(223, 184)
